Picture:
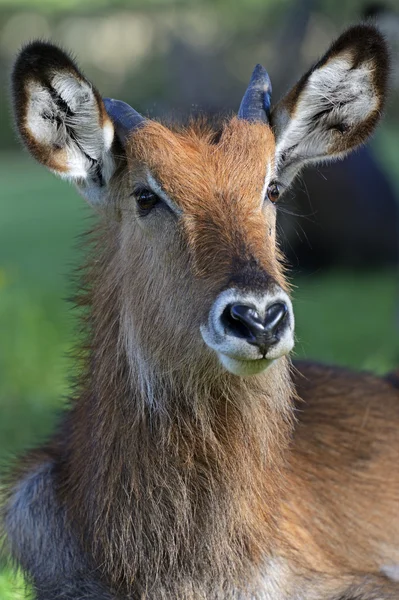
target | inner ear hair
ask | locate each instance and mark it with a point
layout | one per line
(336, 105)
(59, 114)
(362, 46)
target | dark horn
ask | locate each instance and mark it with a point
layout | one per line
(255, 105)
(124, 117)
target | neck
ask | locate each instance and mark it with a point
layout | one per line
(185, 487)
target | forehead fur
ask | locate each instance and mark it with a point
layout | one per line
(193, 167)
(217, 179)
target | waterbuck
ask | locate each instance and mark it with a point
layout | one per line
(194, 461)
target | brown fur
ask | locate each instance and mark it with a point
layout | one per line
(179, 479)
(144, 478)
(343, 463)
(222, 219)
(178, 518)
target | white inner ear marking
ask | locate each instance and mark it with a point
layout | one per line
(40, 114)
(83, 118)
(68, 121)
(156, 188)
(349, 91)
(334, 94)
(74, 92)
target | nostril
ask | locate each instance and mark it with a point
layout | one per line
(244, 321)
(247, 315)
(236, 319)
(275, 314)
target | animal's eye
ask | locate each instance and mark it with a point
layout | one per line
(273, 192)
(146, 200)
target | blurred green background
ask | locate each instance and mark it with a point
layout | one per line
(162, 56)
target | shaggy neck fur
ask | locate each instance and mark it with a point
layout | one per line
(177, 499)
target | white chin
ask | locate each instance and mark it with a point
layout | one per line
(244, 367)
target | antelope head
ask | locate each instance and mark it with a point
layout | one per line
(191, 210)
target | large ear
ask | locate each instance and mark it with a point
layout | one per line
(63, 120)
(335, 106)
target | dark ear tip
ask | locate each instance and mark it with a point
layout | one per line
(37, 58)
(366, 30)
(34, 53)
(367, 41)
(37, 48)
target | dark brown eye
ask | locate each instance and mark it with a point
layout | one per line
(146, 200)
(273, 192)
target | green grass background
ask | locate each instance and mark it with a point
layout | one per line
(346, 318)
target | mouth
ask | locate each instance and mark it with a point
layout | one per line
(244, 368)
(244, 359)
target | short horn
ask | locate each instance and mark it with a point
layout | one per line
(255, 105)
(124, 117)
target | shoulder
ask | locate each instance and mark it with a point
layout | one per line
(335, 404)
(313, 379)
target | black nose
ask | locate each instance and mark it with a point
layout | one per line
(244, 322)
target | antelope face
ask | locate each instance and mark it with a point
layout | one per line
(212, 195)
(192, 211)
